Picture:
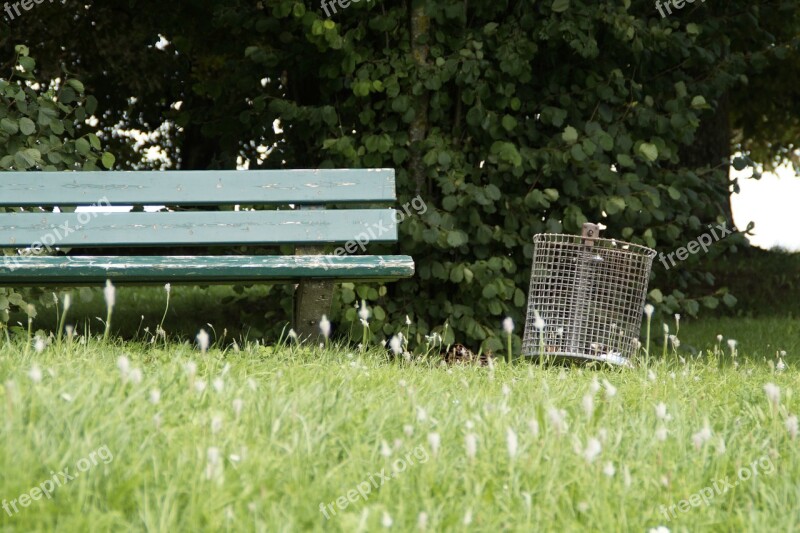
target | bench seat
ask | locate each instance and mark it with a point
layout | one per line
(121, 270)
(121, 217)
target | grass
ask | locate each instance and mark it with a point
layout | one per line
(288, 429)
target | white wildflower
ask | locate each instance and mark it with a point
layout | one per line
(434, 441)
(200, 385)
(39, 345)
(67, 397)
(468, 517)
(719, 338)
(191, 368)
(588, 405)
(155, 396)
(422, 521)
(408, 321)
(213, 464)
(661, 412)
(538, 323)
(386, 520)
(592, 450)
(124, 365)
(168, 288)
(471, 444)
(781, 366)
(611, 390)
(648, 310)
(408, 430)
(325, 326)
(732, 346)
(773, 393)
(110, 294)
(512, 443)
(203, 340)
(363, 312)
(609, 469)
(558, 419)
(135, 376)
(422, 414)
(533, 425)
(701, 437)
(216, 423)
(396, 345)
(238, 404)
(218, 384)
(508, 325)
(791, 426)
(386, 450)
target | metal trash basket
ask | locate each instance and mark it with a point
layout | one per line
(586, 297)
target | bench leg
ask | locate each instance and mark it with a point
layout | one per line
(312, 299)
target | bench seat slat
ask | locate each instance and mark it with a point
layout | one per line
(186, 187)
(91, 270)
(201, 228)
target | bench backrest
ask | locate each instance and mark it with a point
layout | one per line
(349, 190)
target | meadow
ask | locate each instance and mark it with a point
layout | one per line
(164, 436)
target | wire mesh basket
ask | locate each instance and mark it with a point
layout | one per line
(586, 297)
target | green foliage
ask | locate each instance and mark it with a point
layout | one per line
(41, 127)
(509, 119)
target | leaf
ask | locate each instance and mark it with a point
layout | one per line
(656, 296)
(699, 102)
(570, 135)
(649, 151)
(26, 126)
(614, 205)
(108, 160)
(83, 147)
(559, 6)
(692, 29)
(76, 84)
(9, 126)
(673, 193)
(625, 160)
(28, 63)
(94, 141)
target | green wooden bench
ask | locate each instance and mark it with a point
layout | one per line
(304, 218)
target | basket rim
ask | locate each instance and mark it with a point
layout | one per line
(609, 243)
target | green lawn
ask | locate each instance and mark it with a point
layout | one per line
(278, 438)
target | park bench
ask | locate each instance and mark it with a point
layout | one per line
(309, 210)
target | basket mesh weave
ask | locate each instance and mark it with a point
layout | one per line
(589, 294)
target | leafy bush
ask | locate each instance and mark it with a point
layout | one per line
(41, 128)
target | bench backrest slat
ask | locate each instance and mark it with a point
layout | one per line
(87, 229)
(261, 187)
